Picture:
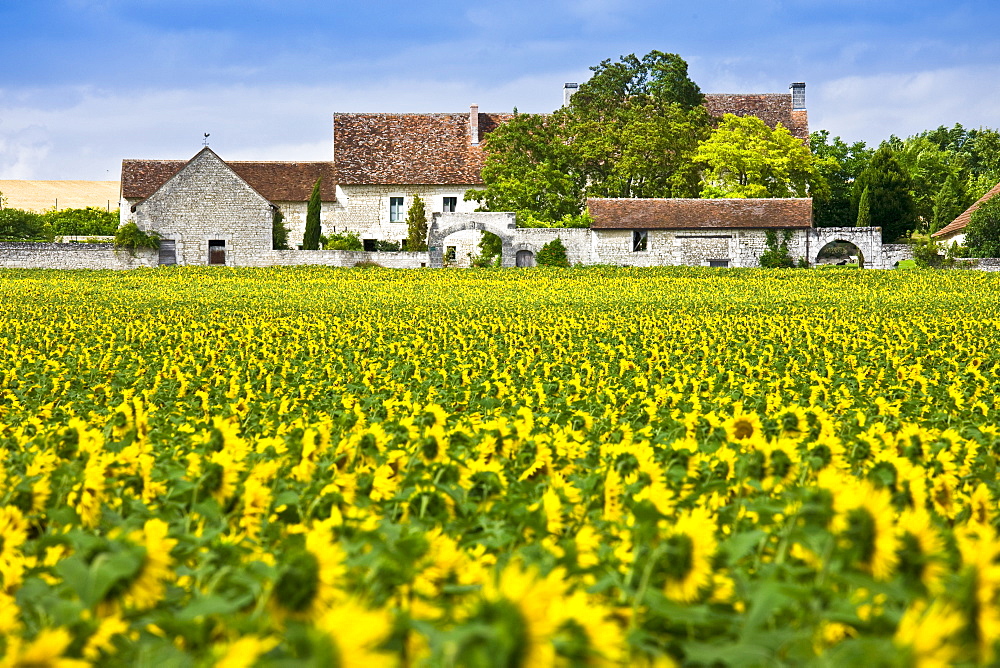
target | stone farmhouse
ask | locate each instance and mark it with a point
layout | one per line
(210, 211)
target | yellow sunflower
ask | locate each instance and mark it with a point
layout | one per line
(690, 546)
(147, 588)
(310, 578)
(864, 523)
(356, 633)
(927, 632)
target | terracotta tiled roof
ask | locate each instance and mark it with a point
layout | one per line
(772, 108)
(685, 214)
(277, 181)
(959, 224)
(409, 149)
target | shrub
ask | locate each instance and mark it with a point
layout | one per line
(349, 241)
(777, 256)
(279, 231)
(552, 254)
(386, 246)
(129, 237)
(416, 225)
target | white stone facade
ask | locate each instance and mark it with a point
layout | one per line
(364, 209)
(696, 247)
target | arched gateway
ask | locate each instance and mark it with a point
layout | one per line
(445, 224)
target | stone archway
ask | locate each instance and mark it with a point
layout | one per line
(868, 241)
(840, 252)
(444, 224)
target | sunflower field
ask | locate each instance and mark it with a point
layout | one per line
(366, 467)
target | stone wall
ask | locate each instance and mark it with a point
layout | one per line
(980, 263)
(331, 258)
(207, 201)
(578, 242)
(25, 255)
(893, 254)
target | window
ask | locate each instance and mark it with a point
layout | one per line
(639, 240)
(370, 245)
(449, 204)
(449, 253)
(395, 209)
(718, 263)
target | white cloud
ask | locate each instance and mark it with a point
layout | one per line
(88, 134)
(871, 108)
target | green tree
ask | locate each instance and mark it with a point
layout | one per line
(279, 231)
(490, 251)
(982, 235)
(416, 225)
(864, 209)
(890, 202)
(929, 167)
(949, 202)
(552, 254)
(310, 240)
(90, 221)
(629, 131)
(844, 163)
(19, 225)
(745, 158)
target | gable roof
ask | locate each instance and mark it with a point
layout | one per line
(960, 223)
(684, 214)
(772, 108)
(276, 181)
(410, 149)
(201, 156)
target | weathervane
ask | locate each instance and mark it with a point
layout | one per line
(204, 142)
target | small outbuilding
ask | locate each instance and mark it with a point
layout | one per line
(705, 232)
(206, 214)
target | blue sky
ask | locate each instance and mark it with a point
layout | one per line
(85, 83)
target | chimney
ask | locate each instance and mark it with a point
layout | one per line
(568, 90)
(474, 124)
(798, 95)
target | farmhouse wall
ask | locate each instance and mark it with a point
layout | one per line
(26, 255)
(364, 209)
(295, 219)
(206, 201)
(695, 247)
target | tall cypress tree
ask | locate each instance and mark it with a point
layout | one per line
(310, 240)
(864, 210)
(949, 202)
(890, 202)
